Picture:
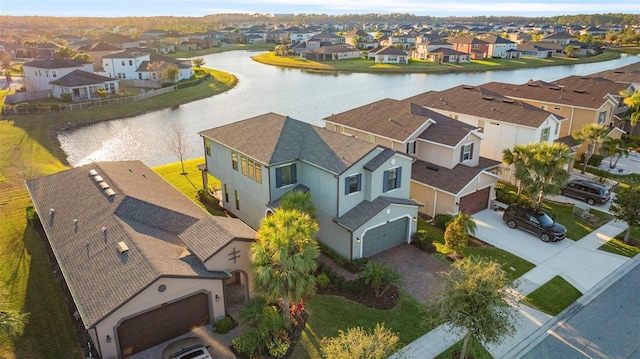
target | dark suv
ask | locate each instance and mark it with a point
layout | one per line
(588, 191)
(536, 222)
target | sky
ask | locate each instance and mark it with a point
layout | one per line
(196, 8)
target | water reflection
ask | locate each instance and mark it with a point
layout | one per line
(307, 96)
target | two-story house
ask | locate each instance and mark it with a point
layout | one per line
(360, 189)
(389, 55)
(502, 121)
(581, 100)
(39, 73)
(448, 175)
(499, 47)
(120, 41)
(476, 48)
(142, 65)
(360, 39)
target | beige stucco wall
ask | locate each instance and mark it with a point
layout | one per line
(432, 201)
(150, 298)
(223, 260)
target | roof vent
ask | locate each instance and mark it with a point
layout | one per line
(103, 185)
(578, 91)
(93, 172)
(98, 178)
(487, 98)
(122, 247)
(507, 100)
(104, 229)
(52, 211)
(110, 192)
(467, 87)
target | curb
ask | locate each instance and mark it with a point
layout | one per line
(541, 333)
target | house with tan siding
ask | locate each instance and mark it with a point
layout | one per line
(448, 173)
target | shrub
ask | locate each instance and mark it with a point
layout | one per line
(224, 325)
(422, 240)
(66, 97)
(31, 215)
(356, 343)
(338, 259)
(512, 198)
(207, 199)
(322, 280)
(356, 265)
(242, 344)
(278, 347)
(595, 160)
(441, 220)
(380, 278)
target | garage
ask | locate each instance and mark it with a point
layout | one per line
(159, 325)
(384, 237)
(475, 202)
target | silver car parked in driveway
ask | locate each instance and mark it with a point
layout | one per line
(186, 348)
(590, 192)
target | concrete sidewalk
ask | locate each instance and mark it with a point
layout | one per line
(580, 263)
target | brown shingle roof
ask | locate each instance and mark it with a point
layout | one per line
(480, 102)
(272, 139)
(625, 74)
(470, 39)
(55, 63)
(450, 180)
(446, 130)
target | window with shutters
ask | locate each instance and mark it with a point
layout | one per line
(411, 148)
(353, 184)
(391, 179)
(286, 175)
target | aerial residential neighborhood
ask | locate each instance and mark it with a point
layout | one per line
(344, 226)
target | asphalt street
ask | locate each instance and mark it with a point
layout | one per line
(606, 327)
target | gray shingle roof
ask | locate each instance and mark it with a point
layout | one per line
(99, 277)
(55, 63)
(81, 78)
(379, 159)
(273, 139)
(217, 231)
(450, 180)
(365, 210)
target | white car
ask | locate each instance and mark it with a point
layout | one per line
(187, 348)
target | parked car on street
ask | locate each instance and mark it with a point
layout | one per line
(186, 348)
(536, 222)
(588, 191)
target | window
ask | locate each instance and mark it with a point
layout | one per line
(602, 117)
(234, 160)
(371, 138)
(391, 179)
(286, 175)
(207, 145)
(352, 184)
(557, 129)
(411, 148)
(226, 193)
(54, 73)
(130, 62)
(122, 62)
(258, 173)
(557, 108)
(342, 129)
(252, 168)
(466, 152)
(237, 200)
(544, 136)
(245, 170)
(481, 126)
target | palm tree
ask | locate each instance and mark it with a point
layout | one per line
(570, 51)
(615, 148)
(283, 258)
(299, 200)
(590, 134)
(12, 322)
(632, 99)
(518, 157)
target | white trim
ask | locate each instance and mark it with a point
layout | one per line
(362, 236)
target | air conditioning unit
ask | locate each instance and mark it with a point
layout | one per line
(581, 210)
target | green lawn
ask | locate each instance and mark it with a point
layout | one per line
(329, 314)
(552, 297)
(417, 66)
(617, 246)
(474, 348)
(506, 259)
(25, 270)
(577, 227)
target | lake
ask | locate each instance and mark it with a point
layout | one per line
(303, 95)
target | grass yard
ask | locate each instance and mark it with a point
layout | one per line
(474, 348)
(553, 297)
(617, 246)
(577, 227)
(416, 66)
(329, 314)
(506, 259)
(25, 270)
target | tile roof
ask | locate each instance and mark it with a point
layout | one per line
(145, 212)
(480, 102)
(81, 78)
(574, 91)
(365, 210)
(272, 139)
(451, 180)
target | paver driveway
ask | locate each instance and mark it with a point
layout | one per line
(418, 270)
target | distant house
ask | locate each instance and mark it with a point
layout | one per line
(135, 65)
(82, 85)
(561, 38)
(326, 53)
(119, 41)
(360, 189)
(328, 38)
(96, 50)
(143, 263)
(535, 50)
(447, 55)
(360, 39)
(476, 48)
(39, 73)
(499, 47)
(389, 55)
(448, 175)
(423, 49)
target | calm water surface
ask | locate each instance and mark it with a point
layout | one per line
(306, 96)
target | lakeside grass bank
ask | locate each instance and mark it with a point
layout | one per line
(417, 66)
